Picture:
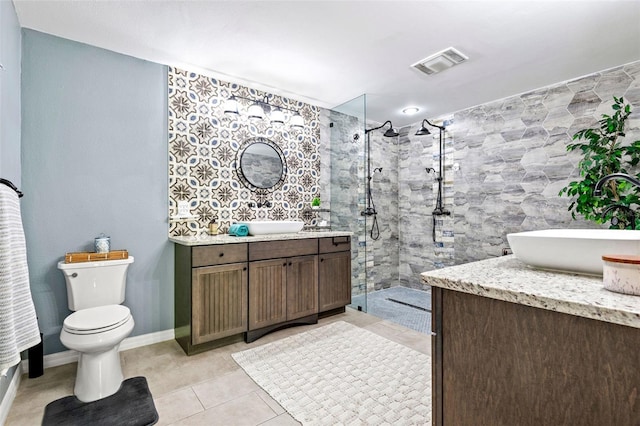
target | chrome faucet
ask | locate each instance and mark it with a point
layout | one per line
(598, 189)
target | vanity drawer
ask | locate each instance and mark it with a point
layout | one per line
(287, 248)
(335, 244)
(218, 254)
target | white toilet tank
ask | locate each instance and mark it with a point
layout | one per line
(91, 284)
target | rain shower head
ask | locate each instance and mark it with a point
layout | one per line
(424, 131)
(391, 132)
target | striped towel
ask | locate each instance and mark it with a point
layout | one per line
(18, 325)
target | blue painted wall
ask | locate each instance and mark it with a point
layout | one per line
(9, 93)
(94, 159)
(10, 38)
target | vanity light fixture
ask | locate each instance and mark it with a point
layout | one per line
(255, 112)
(261, 108)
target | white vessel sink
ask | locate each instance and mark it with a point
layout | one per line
(265, 227)
(572, 250)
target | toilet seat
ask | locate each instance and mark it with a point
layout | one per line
(97, 320)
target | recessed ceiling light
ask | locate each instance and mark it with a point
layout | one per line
(410, 110)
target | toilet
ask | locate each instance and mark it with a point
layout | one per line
(95, 291)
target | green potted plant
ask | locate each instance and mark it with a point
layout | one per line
(315, 203)
(604, 151)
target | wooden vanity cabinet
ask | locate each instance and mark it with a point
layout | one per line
(211, 295)
(334, 274)
(282, 290)
(225, 293)
(219, 302)
(504, 363)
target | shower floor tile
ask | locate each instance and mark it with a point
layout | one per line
(402, 305)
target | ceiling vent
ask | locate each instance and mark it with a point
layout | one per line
(440, 61)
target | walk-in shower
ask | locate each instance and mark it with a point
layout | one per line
(365, 200)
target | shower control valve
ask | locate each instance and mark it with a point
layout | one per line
(369, 211)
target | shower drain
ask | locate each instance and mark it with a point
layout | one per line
(408, 304)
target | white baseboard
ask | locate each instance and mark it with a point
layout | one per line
(67, 357)
(10, 395)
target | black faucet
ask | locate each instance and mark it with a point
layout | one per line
(627, 210)
(598, 189)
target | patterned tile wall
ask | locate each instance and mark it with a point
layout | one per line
(203, 149)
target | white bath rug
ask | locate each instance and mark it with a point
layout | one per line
(341, 374)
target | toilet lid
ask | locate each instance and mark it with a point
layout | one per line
(98, 319)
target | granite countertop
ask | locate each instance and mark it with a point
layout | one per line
(508, 279)
(206, 240)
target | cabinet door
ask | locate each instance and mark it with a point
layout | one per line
(219, 302)
(267, 293)
(334, 280)
(302, 286)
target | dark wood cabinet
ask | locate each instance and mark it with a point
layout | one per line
(211, 295)
(268, 293)
(334, 274)
(228, 292)
(502, 363)
(302, 287)
(282, 290)
(219, 302)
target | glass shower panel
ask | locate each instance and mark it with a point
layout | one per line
(347, 187)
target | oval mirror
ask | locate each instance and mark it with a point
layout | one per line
(262, 164)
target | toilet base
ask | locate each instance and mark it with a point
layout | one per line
(99, 375)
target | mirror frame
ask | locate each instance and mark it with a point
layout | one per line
(241, 174)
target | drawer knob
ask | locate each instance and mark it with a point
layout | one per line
(221, 254)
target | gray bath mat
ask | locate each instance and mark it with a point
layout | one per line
(132, 405)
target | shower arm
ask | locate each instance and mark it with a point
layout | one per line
(367, 131)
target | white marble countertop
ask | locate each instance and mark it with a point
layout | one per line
(206, 240)
(508, 279)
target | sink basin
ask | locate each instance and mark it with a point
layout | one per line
(265, 227)
(572, 250)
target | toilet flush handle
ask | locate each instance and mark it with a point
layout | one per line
(75, 274)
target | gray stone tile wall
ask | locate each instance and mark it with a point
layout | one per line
(510, 163)
(513, 161)
(383, 253)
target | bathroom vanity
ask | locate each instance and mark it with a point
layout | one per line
(515, 345)
(229, 289)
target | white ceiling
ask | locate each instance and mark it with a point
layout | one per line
(329, 52)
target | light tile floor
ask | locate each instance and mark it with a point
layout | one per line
(204, 389)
